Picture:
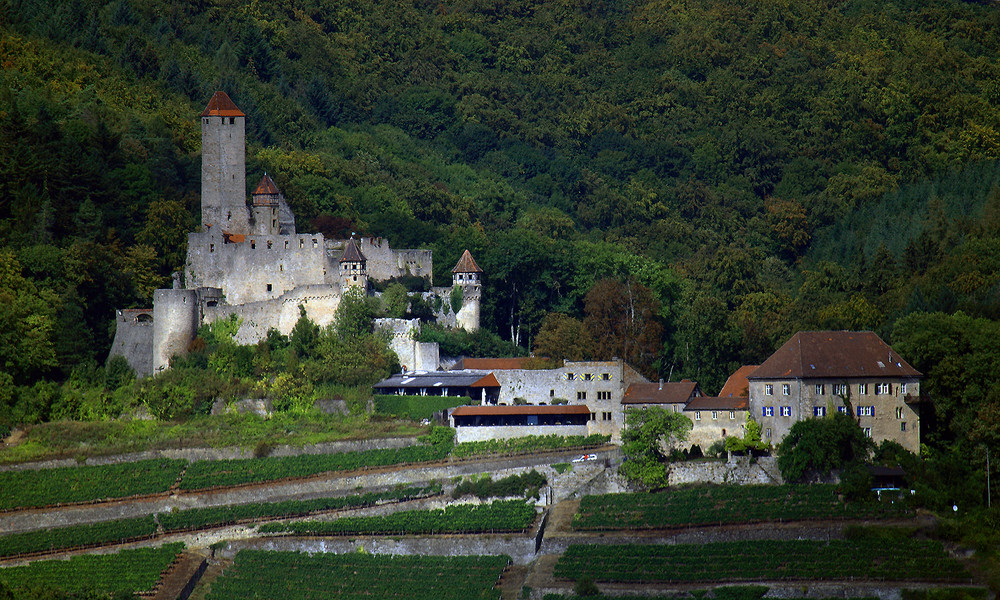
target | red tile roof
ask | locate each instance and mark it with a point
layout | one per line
(827, 354)
(466, 264)
(221, 106)
(737, 385)
(496, 364)
(716, 403)
(487, 381)
(661, 393)
(352, 253)
(266, 186)
(471, 411)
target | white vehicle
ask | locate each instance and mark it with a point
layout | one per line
(585, 457)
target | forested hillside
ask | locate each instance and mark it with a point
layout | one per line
(736, 171)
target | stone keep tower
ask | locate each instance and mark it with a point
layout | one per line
(265, 199)
(223, 167)
(467, 276)
(353, 268)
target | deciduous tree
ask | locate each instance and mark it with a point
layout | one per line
(648, 435)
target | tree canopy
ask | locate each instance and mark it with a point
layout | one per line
(647, 439)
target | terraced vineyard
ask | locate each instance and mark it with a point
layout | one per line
(77, 535)
(295, 576)
(905, 559)
(216, 473)
(196, 518)
(497, 517)
(125, 573)
(530, 443)
(717, 505)
(47, 487)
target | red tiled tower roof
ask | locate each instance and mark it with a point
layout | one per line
(466, 264)
(266, 186)
(221, 106)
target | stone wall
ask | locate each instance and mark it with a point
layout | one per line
(740, 470)
(261, 267)
(413, 355)
(175, 322)
(806, 396)
(600, 385)
(519, 547)
(134, 339)
(709, 429)
(223, 174)
(319, 301)
(232, 452)
(385, 263)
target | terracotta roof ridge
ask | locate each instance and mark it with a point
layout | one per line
(266, 186)
(221, 105)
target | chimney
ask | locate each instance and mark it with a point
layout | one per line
(661, 384)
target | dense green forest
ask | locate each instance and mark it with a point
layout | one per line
(737, 171)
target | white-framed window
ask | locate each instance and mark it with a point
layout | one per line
(839, 389)
(842, 410)
(588, 376)
(606, 416)
(604, 395)
(883, 389)
(581, 395)
(697, 415)
(786, 411)
(866, 411)
(899, 412)
(862, 388)
(819, 411)
(786, 389)
(767, 432)
(868, 431)
(902, 388)
(732, 415)
(570, 376)
(769, 389)
(715, 415)
(767, 411)
(820, 389)
(902, 425)
(593, 415)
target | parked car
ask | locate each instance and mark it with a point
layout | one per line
(585, 457)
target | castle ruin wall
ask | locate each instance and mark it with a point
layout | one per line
(257, 318)
(175, 323)
(134, 339)
(259, 267)
(385, 263)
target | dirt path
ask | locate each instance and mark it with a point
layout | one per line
(183, 573)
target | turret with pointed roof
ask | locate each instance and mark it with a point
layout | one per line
(353, 267)
(467, 272)
(467, 277)
(223, 167)
(265, 200)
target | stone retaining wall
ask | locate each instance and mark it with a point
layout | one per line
(229, 453)
(739, 470)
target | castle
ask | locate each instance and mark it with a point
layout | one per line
(248, 260)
